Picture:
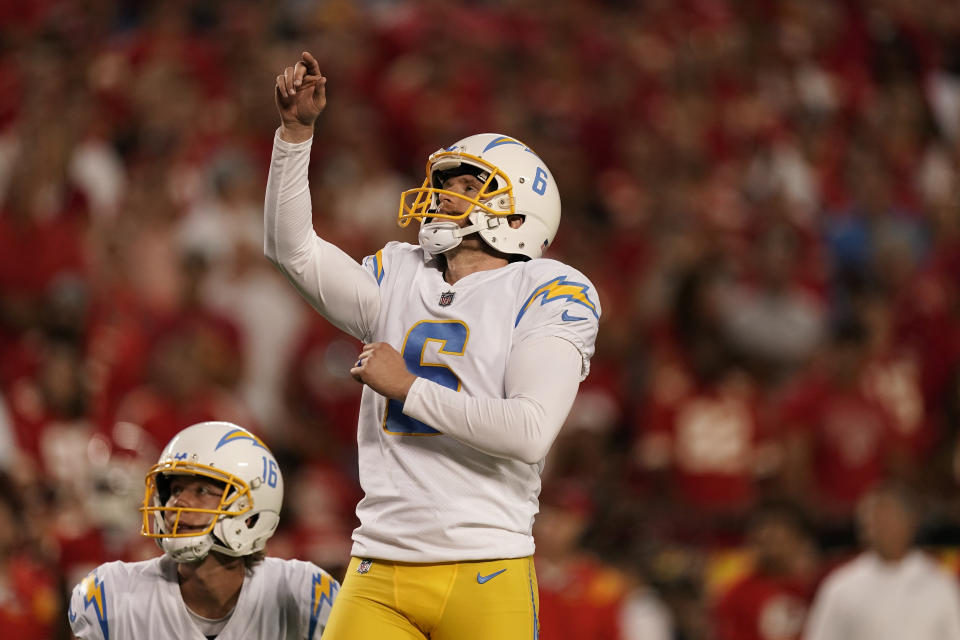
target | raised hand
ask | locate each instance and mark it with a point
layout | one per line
(300, 94)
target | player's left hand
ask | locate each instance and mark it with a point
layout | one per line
(383, 369)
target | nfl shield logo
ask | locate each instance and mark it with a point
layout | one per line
(446, 298)
(364, 566)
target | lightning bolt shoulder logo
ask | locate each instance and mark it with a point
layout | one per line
(237, 435)
(324, 589)
(375, 263)
(561, 289)
(95, 595)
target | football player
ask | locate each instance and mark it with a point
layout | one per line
(474, 348)
(211, 503)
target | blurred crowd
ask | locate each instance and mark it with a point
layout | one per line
(766, 194)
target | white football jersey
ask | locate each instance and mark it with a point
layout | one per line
(288, 599)
(429, 497)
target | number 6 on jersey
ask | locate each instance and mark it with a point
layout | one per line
(452, 336)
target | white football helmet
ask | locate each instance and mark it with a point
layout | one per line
(249, 509)
(515, 182)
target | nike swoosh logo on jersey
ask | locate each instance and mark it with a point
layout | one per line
(566, 317)
(482, 579)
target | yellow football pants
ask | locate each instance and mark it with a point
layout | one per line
(487, 600)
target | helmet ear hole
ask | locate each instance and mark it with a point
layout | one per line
(249, 536)
(516, 220)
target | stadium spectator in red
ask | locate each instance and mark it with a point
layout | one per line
(893, 375)
(30, 603)
(50, 404)
(321, 397)
(181, 388)
(838, 440)
(770, 602)
(579, 596)
(701, 440)
(42, 223)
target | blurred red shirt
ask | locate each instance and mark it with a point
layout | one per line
(582, 603)
(852, 438)
(760, 607)
(28, 601)
(709, 437)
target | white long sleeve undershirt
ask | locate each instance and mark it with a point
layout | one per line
(332, 282)
(541, 381)
(542, 375)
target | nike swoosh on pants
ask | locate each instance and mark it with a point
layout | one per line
(481, 579)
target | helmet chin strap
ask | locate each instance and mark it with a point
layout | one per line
(443, 235)
(188, 549)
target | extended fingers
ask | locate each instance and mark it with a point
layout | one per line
(285, 83)
(310, 64)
